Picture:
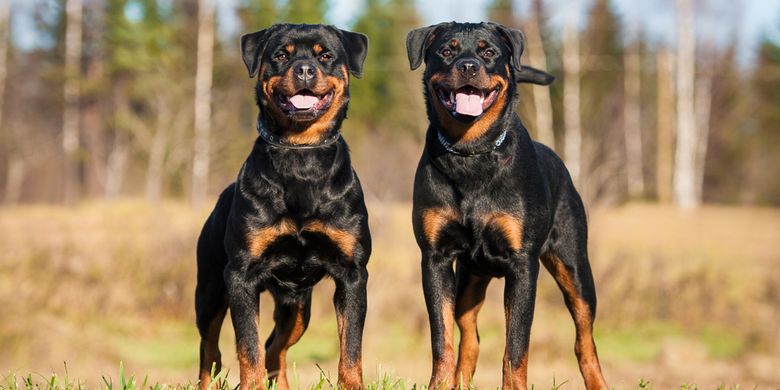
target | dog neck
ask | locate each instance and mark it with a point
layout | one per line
(281, 142)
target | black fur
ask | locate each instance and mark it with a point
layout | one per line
(519, 178)
(287, 188)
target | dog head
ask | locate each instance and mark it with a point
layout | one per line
(303, 76)
(470, 74)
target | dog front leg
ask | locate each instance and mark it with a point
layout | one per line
(244, 306)
(519, 297)
(439, 290)
(350, 302)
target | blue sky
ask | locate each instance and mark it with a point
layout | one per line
(716, 19)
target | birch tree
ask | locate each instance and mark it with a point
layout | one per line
(202, 107)
(70, 119)
(571, 97)
(684, 182)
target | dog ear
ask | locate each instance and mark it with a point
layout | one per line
(356, 45)
(252, 47)
(530, 75)
(516, 41)
(417, 42)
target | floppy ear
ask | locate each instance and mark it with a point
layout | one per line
(356, 45)
(516, 41)
(417, 42)
(252, 47)
(530, 75)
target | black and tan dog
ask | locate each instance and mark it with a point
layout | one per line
(296, 212)
(494, 202)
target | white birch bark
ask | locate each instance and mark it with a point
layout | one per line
(684, 182)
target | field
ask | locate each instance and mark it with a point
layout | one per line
(683, 298)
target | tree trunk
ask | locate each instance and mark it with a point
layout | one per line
(154, 171)
(571, 98)
(703, 107)
(632, 117)
(14, 163)
(684, 184)
(665, 141)
(203, 76)
(542, 101)
(116, 163)
(70, 119)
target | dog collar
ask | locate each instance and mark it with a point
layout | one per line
(281, 143)
(448, 146)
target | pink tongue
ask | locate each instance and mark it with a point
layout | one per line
(468, 104)
(304, 102)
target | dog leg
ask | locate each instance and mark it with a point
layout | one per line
(469, 298)
(575, 280)
(244, 310)
(519, 297)
(291, 322)
(210, 311)
(350, 302)
(439, 290)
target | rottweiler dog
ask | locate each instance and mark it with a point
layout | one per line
(295, 214)
(492, 201)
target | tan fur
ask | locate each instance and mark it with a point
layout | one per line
(276, 355)
(466, 132)
(343, 239)
(258, 240)
(511, 226)
(584, 346)
(467, 306)
(434, 220)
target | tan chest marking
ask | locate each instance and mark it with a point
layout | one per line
(509, 225)
(434, 219)
(343, 239)
(258, 240)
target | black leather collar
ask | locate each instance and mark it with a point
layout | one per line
(280, 142)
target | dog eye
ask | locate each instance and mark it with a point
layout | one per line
(489, 53)
(446, 53)
(280, 56)
(325, 57)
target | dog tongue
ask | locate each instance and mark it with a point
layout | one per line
(304, 102)
(468, 104)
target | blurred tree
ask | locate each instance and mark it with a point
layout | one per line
(683, 182)
(70, 121)
(602, 89)
(389, 95)
(305, 11)
(571, 98)
(665, 125)
(203, 83)
(765, 142)
(537, 58)
(14, 163)
(257, 14)
(632, 116)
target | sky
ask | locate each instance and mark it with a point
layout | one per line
(716, 19)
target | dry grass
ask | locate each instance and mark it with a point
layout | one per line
(683, 297)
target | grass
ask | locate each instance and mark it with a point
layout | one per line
(113, 281)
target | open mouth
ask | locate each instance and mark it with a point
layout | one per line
(304, 102)
(468, 100)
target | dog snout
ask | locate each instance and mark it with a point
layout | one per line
(467, 67)
(304, 71)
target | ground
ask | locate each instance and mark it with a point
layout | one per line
(684, 298)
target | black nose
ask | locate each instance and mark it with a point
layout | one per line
(468, 67)
(304, 71)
